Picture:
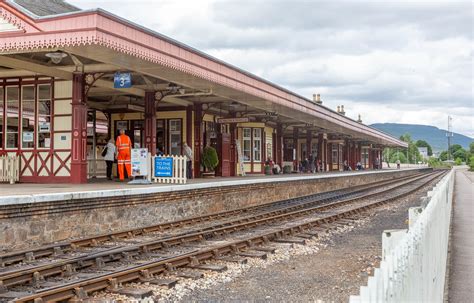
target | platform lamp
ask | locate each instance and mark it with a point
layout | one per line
(56, 57)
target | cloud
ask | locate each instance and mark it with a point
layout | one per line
(391, 61)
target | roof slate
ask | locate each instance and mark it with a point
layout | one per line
(47, 7)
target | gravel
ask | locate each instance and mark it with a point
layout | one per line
(327, 269)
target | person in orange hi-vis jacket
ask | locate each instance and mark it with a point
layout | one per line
(124, 145)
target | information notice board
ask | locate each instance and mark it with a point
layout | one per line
(163, 167)
(241, 158)
(139, 158)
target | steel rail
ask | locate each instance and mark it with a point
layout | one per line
(54, 249)
(144, 271)
(27, 275)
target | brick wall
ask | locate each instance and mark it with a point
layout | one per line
(46, 222)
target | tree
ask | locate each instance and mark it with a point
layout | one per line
(471, 148)
(443, 156)
(458, 161)
(209, 158)
(454, 148)
(413, 153)
(398, 156)
(406, 137)
(423, 143)
(462, 154)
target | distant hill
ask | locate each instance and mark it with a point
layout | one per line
(434, 136)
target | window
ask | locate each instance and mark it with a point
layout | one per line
(161, 136)
(364, 156)
(44, 116)
(28, 117)
(12, 110)
(288, 148)
(175, 136)
(1, 116)
(257, 145)
(247, 142)
(335, 149)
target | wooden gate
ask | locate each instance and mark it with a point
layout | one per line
(223, 151)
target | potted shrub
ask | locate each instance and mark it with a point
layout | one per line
(287, 169)
(268, 169)
(209, 161)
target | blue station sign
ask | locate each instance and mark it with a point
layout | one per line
(163, 167)
(122, 80)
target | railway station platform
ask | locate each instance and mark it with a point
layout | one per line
(46, 213)
(461, 285)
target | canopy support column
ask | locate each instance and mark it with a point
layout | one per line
(197, 139)
(79, 130)
(150, 122)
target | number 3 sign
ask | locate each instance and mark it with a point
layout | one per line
(122, 80)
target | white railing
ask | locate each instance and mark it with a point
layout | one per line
(9, 169)
(96, 168)
(413, 262)
(178, 170)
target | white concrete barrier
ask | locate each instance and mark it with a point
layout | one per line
(9, 169)
(413, 266)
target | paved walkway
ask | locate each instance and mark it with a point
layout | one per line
(30, 193)
(461, 280)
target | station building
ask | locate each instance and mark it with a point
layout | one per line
(59, 102)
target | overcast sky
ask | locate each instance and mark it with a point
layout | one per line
(390, 61)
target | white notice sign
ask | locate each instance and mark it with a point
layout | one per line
(27, 136)
(139, 162)
(240, 156)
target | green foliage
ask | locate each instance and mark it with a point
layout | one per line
(471, 148)
(413, 153)
(454, 148)
(209, 158)
(423, 143)
(398, 156)
(461, 154)
(458, 161)
(443, 156)
(437, 163)
(406, 137)
(287, 169)
(471, 163)
(434, 162)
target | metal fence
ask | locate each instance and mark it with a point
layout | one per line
(178, 170)
(9, 169)
(414, 261)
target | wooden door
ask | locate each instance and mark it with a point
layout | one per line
(223, 151)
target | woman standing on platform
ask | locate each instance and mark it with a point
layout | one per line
(109, 156)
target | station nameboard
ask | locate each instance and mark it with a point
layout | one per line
(163, 167)
(233, 120)
(122, 80)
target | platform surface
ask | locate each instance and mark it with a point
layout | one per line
(461, 279)
(96, 188)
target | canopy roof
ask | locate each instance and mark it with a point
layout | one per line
(97, 41)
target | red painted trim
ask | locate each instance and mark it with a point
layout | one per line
(150, 122)
(11, 33)
(44, 179)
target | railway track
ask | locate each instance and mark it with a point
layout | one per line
(73, 277)
(30, 255)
